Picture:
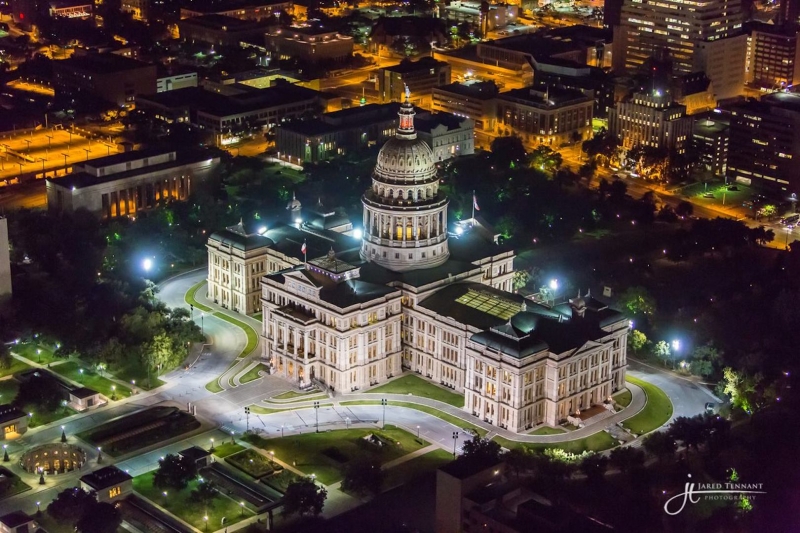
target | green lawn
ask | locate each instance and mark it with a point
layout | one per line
(405, 472)
(288, 395)
(252, 336)
(546, 430)
(213, 386)
(251, 463)
(16, 366)
(281, 480)
(181, 504)
(456, 421)
(190, 297)
(259, 410)
(623, 398)
(8, 390)
(303, 399)
(598, 442)
(14, 487)
(657, 411)
(89, 378)
(252, 374)
(225, 449)
(41, 417)
(28, 350)
(417, 386)
(326, 454)
(136, 373)
(259, 316)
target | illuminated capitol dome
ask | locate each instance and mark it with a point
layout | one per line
(405, 216)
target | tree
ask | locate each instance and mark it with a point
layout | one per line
(481, 451)
(748, 392)
(5, 355)
(508, 151)
(99, 517)
(304, 497)
(626, 458)
(594, 467)
(690, 431)
(520, 279)
(39, 390)
(158, 353)
(205, 493)
(768, 210)
(545, 158)
(684, 209)
(661, 350)
(519, 460)
(174, 471)
(637, 341)
(661, 444)
(638, 300)
(68, 505)
(363, 476)
(704, 360)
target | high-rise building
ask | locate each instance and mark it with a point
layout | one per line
(686, 30)
(765, 143)
(773, 57)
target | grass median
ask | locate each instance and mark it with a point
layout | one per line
(87, 377)
(190, 299)
(594, 443)
(417, 386)
(450, 419)
(656, 412)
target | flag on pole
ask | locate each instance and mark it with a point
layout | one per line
(303, 249)
(475, 203)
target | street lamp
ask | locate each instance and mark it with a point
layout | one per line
(5, 453)
(316, 414)
(147, 264)
(553, 284)
(165, 496)
(39, 353)
(212, 446)
(242, 506)
(247, 415)
(676, 345)
(38, 508)
(417, 431)
(99, 454)
(233, 439)
(384, 401)
(281, 431)
(455, 442)
(63, 435)
(205, 519)
(272, 458)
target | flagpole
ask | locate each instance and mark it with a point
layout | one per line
(473, 208)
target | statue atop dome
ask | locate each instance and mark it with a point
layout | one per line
(408, 92)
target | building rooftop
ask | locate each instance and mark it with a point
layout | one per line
(216, 6)
(481, 90)
(221, 22)
(788, 101)
(221, 105)
(707, 126)
(407, 65)
(15, 519)
(317, 29)
(83, 392)
(474, 304)
(430, 121)
(195, 453)
(550, 42)
(237, 237)
(289, 239)
(80, 180)
(345, 119)
(124, 157)
(8, 413)
(544, 97)
(103, 63)
(105, 477)
(463, 468)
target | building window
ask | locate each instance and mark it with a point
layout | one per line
(114, 492)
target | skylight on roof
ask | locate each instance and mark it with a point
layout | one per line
(489, 304)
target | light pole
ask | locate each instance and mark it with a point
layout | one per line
(383, 403)
(676, 345)
(99, 454)
(5, 453)
(65, 161)
(316, 414)
(29, 146)
(205, 519)
(281, 430)
(87, 150)
(165, 497)
(63, 435)
(417, 431)
(212, 446)
(242, 506)
(455, 442)
(247, 415)
(39, 354)
(38, 508)
(233, 438)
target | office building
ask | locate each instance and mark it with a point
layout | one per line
(124, 184)
(710, 137)
(230, 117)
(471, 99)
(473, 497)
(219, 30)
(545, 115)
(484, 16)
(244, 10)
(649, 28)
(309, 43)
(422, 297)
(764, 147)
(448, 135)
(70, 9)
(172, 80)
(137, 9)
(773, 57)
(420, 76)
(552, 72)
(111, 77)
(651, 119)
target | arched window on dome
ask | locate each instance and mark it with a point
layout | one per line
(400, 194)
(391, 194)
(427, 192)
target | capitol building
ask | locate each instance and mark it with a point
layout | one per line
(406, 293)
